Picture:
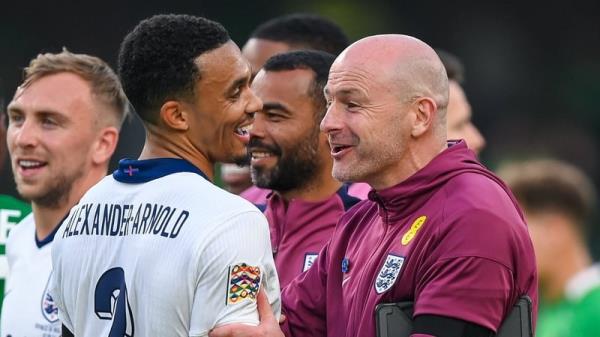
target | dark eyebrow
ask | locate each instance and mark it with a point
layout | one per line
(13, 108)
(243, 79)
(276, 106)
(50, 113)
(237, 83)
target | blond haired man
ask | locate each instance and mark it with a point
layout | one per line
(63, 127)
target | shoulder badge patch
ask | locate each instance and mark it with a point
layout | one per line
(414, 229)
(309, 259)
(243, 283)
(49, 308)
(389, 273)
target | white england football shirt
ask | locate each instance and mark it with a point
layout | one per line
(28, 308)
(158, 250)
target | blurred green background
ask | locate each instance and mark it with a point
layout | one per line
(532, 69)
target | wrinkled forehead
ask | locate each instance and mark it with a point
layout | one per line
(356, 73)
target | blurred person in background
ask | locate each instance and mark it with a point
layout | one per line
(12, 210)
(293, 32)
(278, 35)
(63, 127)
(558, 200)
(458, 119)
(291, 157)
(458, 115)
(235, 178)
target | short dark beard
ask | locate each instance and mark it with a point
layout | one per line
(296, 167)
(58, 193)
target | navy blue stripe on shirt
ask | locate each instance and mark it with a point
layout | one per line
(41, 243)
(131, 171)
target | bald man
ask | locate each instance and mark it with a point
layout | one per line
(439, 230)
(458, 116)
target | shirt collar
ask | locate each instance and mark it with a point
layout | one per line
(583, 282)
(132, 171)
(50, 237)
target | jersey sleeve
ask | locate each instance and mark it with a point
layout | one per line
(304, 300)
(469, 275)
(236, 261)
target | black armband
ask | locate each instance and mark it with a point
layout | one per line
(441, 326)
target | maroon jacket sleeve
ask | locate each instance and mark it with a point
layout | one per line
(304, 301)
(471, 273)
(472, 289)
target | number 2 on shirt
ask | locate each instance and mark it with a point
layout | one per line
(111, 303)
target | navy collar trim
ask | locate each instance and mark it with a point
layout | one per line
(41, 243)
(347, 199)
(131, 171)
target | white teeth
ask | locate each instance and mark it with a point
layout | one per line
(29, 163)
(261, 154)
(244, 130)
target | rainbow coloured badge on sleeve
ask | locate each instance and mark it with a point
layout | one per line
(243, 283)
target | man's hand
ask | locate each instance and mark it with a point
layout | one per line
(268, 327)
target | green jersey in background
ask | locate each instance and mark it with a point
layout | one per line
(577, 313)
(11, 212)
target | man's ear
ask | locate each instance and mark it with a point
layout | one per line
(105, 145)
(425, 112)
(174, 115)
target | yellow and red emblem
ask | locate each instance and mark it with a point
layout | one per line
(414, 229)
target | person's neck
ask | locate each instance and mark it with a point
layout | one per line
(321, 187)
(571, 262)
(159, 145)
(48, 218)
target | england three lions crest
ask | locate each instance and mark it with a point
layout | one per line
(49, 308)
(309, 260)
(389, 273)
